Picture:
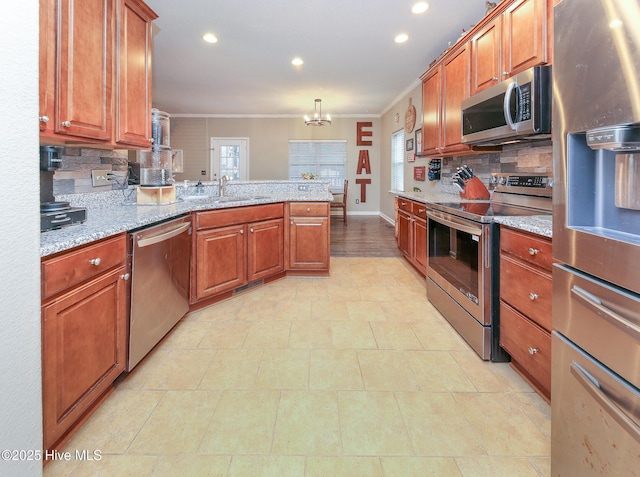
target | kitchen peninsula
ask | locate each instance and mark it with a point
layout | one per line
(258, 232)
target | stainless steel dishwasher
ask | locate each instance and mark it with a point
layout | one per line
(159, 262)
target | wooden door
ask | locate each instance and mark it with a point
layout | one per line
(84, 101)
(133, 95)
(455, 71)
(220, 260)
(309, 243)
(524, 36)
(431, 112)
(485, 56)
(265, 243)
(47, 63)
(83, 350)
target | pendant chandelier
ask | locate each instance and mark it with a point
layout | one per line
(317, 119)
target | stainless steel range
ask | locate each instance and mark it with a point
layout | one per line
(463, 256)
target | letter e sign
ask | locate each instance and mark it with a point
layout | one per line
(360, 134)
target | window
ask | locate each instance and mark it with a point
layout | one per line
(326, 159)
(397, 160)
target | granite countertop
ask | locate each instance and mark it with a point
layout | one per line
(112, 219)
(537, 224)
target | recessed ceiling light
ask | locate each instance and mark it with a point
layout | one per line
(401, 38)
(209, 38)
(616, 23)
(297, 61)
(420, 7)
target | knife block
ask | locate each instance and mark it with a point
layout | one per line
(474, 189)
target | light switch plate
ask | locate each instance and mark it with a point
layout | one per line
(99, 178)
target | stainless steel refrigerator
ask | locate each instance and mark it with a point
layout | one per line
(595, 391)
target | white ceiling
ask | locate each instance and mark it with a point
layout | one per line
(350, 59)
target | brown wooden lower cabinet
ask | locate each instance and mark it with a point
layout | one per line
(525, 305)
(83, 332)
(237, 246)
(411, 232)
(308, 237)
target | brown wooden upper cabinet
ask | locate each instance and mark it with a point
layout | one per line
(93, 87)
(514, 40)
(443, 89)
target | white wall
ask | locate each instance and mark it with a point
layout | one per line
(20, 367)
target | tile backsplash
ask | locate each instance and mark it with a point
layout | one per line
(74, 176)
(514, 158)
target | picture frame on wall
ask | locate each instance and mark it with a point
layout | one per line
(418, 134)
(409, 144)
(411, 157)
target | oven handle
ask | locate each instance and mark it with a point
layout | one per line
(592, 386)
(455, 224)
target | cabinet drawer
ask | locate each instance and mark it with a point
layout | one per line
(238, 215)
(419, 210)
(405, 204)
(67, 270)
(527, 290)
(532, 249)
(528, 345)
(309, 209)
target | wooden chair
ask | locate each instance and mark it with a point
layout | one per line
(340, 201)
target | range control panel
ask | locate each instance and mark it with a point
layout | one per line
(537, 184)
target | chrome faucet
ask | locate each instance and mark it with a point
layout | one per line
(223, 185)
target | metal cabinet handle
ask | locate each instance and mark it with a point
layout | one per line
(251, 229)
(495, 78)
(532, 350)
(308, 209)
(125, 276)
(241, 232)
(292, 222)
(505, 73)
(95, 261)
(66, 124)
(421, 210)
(533, 251)
(533, 296)
(44, 119)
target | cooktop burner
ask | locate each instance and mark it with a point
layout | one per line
(484, 211)
(513, 195)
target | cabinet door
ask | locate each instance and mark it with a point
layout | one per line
(265, 242)
(431, 113)
(83, 350)
(524, 36)
(309, 243)
(420, 244)
(84, 69)
(220, 262)
(455, 71)
(404, 233)
(47, 63)
(133, 97)
(485, 56)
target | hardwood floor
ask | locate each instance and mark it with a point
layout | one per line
(365, 236)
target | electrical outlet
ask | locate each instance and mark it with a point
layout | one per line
(357, 201)
(99, 178)
(303, 188)
(203, 173)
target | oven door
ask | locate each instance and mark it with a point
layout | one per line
(458, 254)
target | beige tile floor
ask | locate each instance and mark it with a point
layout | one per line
(352, 375)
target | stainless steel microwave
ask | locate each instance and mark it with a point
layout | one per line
(516, 109)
